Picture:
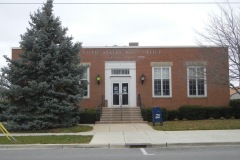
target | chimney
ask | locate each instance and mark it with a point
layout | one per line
(133, 43)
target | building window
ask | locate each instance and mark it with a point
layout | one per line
(120, 71)
(161, 81)
(85, 82)
(197, 82)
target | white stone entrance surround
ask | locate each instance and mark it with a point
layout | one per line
(130, 79)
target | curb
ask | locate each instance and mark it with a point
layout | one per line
(53, 146)
(109, 146)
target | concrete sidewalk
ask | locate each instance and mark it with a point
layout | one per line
(142, 135)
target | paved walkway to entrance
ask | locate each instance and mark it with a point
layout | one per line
(143, 134)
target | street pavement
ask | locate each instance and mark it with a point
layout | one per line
(143, 135)
(223, 152)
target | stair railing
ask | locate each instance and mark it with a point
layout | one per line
(99, 108)
(142, 107)
(121, 104)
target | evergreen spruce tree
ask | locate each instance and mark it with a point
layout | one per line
(45, 88)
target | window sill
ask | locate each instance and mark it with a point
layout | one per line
(162, 97)
(197, 96)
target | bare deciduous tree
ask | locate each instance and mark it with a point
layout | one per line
(223, 29)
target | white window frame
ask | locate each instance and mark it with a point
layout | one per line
(170, 82)
(88, 84)
(205, 82)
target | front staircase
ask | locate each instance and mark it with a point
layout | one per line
(121, 115)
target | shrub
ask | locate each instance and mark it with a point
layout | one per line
(147, 114)
(218, 112)
(196, 113)
(202, 112)
(236, 112)
(173, 114)
(164, 114)
(235, 107)
(88, 116)
(192, 112)
(235, 103)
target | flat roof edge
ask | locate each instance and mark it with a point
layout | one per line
(135, 47)
(153, 47)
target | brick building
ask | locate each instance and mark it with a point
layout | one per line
(163, 76)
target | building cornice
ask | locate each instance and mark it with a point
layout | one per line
(141, 47)
(149, 47)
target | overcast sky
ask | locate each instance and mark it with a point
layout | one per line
(112, 24)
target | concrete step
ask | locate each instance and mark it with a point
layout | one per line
(119, 122)
(119, 109)
(126, 112)
(121, 115)
(119, 112)
(123, 108)
(113, 115)
(110, 111)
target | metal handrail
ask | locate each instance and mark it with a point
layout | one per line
(99, 108)
(142, 107)
(121, 102)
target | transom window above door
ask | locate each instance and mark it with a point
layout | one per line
(119, 71)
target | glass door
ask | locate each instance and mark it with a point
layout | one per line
(116, 94)
(120, 94)
(124, 93)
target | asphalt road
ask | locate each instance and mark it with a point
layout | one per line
(172, 153)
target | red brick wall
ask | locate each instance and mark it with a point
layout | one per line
(217, 63)
(217, 94)
(15, 53)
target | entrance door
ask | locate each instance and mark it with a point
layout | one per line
(120, 94)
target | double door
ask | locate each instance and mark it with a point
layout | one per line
(120, 94)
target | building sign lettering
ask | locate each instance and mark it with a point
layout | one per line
(114, 52)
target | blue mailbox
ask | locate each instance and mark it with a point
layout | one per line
(157, 115)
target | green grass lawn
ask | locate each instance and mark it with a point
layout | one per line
(199, 125)
(74, 129)
(47, 140)
(68, 139)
